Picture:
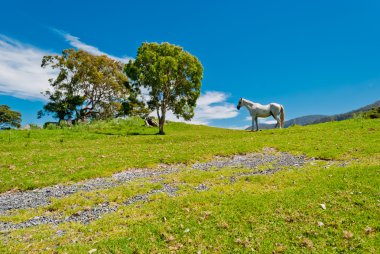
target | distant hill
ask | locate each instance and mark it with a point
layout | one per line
(303, 120)
(344, 116)
(314, 119)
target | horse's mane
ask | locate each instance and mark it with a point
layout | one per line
(248, 101)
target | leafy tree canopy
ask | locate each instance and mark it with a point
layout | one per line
(171, 75)
(86, 85)
(62, 106)
(9, 118)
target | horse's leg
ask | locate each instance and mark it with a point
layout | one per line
(253, 123)
(277, 122)
(257, 124)
(278, 125)
(275, 118)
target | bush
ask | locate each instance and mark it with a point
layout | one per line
(34, 126)
(373, 113)
(63, 124)
(51, 126)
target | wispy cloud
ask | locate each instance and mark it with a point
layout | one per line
(77, 43)
(21, 74)
(267, 121)
(244, 127)
(211, 105)
(262, 120)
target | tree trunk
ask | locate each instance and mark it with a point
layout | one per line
(161, 122)
(161, 125)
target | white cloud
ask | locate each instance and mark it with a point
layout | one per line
(267, 121)
(244, 127)
(21, 74)
(211, 105)
(262, 120)
(75, 42)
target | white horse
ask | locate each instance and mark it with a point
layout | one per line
(257, 110)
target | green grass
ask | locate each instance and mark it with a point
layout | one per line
(276, 213)
(37, 158)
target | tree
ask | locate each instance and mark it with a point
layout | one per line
(86, 85)
(172, 77)
(134, 106)
(9, 118)
(62, 106)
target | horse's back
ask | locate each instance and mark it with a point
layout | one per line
(275, 107)
(274, 104)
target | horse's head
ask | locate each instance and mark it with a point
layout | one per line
(240, 103)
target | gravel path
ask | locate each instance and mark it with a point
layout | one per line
(253, 160)
(41, 197)
(85, 216)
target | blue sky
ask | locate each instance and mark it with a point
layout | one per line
(314, 57)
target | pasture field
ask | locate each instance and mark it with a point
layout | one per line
(37, 158)
(331, 204)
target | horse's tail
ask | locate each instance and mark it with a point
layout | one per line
(282, 116)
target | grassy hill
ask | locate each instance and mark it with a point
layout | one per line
(36, 158)
(278, 213)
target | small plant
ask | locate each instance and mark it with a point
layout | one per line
(51, 126)
(34, 126)
(359, 118)
(63, 124)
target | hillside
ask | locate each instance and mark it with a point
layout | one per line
(124, 189)
(304, 120)
(34, 158)
(348, 115)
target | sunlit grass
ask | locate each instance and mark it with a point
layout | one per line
(36, 158)
(275, 213)
(262, 213)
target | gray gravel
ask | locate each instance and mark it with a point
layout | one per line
(41, 197)
(87, 215)
(202, 187)
(252, 161)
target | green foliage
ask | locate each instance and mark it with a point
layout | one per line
(61, 106)
(89, 86)
(51, 126)
(171, 75)
(34, 126)
(9, 118)
(372, 114)
(134, 106)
